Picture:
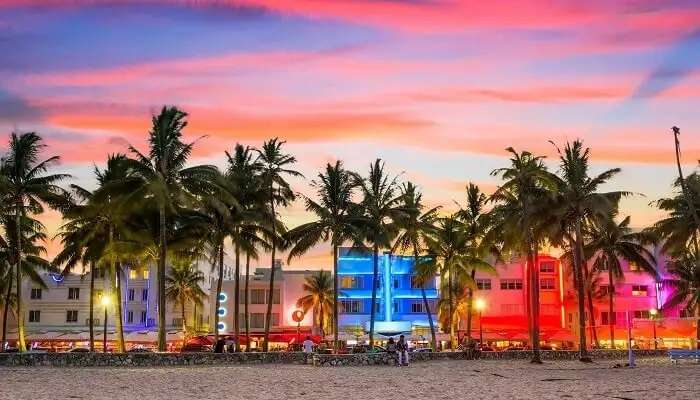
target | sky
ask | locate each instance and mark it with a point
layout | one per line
(436, 89)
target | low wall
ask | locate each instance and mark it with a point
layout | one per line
(186, 359)
(149, 359)
(327, 360)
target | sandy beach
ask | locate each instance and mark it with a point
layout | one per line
(652, 379)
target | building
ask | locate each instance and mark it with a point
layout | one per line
(287, 289)
(400, 306)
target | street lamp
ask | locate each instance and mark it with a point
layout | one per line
(480, 304)
(653, 313)
(105, 304)
(298, 316)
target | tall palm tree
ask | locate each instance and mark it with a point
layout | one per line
(275, 165)
(520, 201)
(335, 222)
(416, 225)
(166, 180)
(678, 227)
(319, 298)
(685, 279)
(379, 209)
(609, 243)
(182, 286)
(688, 195)
(477, 224)
(580, 202)
(27, 188)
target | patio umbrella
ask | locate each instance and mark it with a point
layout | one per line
(45, 336)
(76, 336)
(141, 337)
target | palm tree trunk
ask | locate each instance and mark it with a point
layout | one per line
(335, 297)
(218, 291)
(577, 248)
(686, 193)
(533, 257)
(184, 317)
(162, 254)
(428, 313)
(268, 313)
(246, 302)
(375, 279)
(119, 312)
(195, 323)
(21, 345)
(8, 296)
(92, 307)
(237, 297)
(322, 325)
(451, 309)
(611, 310)
(589, 299)
(697, 329)
(470, 306)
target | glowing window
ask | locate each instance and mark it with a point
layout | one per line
(639, 290)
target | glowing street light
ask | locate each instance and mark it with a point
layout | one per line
(105, 303)
(480, 304)
(652, 314)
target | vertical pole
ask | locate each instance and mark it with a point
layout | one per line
(298, 328)
(104, 333)
(656, 347)
(481, 331)
(630, 353)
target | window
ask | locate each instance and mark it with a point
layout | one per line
(129, 317)
(415, 282)
(143, 317)
(275, 319)
(351, 306)
(257, 320)
(257, 296)
(483, 284)
(511, 309)
(547, 284)
(145, 274)
(379, 282)
(34, 316)
(72, 316)
(634, 267)
(95, 321)
(130, 295)
(396, 283)
(417, 307)
(511, 284)
(132, 274)
(547, 267)
(606, 320)
(639, 290)
(177, 321)
(35, 294)
(144, 295)
(350, 282)
(73, 293)
(395, 306)
(641, 314)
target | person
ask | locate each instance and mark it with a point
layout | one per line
(308, 345)
(391, 349)
(402, 348)
(229, 344)
(219, 346)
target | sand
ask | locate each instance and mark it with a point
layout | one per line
(652, 379)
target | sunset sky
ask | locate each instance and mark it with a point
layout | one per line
(438, 89)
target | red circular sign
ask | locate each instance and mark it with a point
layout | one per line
(298, 316)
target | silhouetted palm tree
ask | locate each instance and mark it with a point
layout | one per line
(182, 286)
(274, 167)
(335, 222)
(27, 188)
(686, 283)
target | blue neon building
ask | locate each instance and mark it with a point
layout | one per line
(399, 301)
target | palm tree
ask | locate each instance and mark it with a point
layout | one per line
(686, 283)
(27, 188)
(477, 223)
(182, 286)
(379, 209)
(416, 225)
(611, 242)
(520, 201)
(579, 203)
(320, 298)
(678, 228)
(166, 184)
(335, 223)
(275, 165)
(688, 195)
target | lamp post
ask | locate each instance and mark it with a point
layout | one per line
(105, 304)
(298, 316)
(653, 313)
(480, 305)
